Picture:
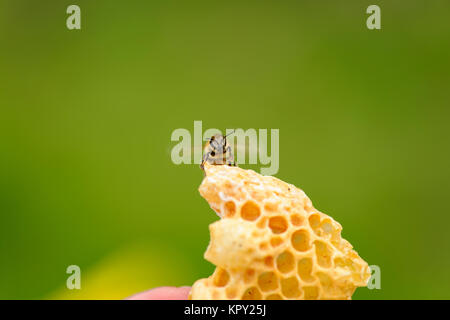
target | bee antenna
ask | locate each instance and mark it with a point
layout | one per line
(230, 133)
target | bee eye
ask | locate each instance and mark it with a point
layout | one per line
(213, 153)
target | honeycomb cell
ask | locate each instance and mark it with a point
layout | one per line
(274, 297)
(267, 281)
(271, 206)
(311, 293)
(221, 277)
(231, 292)
(343, 263)
(252, 293)
(314, 220)
(332, 289)
(262, 223)
(296, 220)
(249, 275)
(228, 185)
(278, 224)
(300, 240)
(289, 287)
(268, 261)
(323, 254)
(337, 241)
(230, 209)
(327, 226)
(304, 268)
(276, 241)
(307, 205)
(357, 277)
(250, 211)
(249, 250)
(263, 246)
(325, 281)
(285, 262)
(258, 195)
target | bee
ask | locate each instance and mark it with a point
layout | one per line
(218, 152)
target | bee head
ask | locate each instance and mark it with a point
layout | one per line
(217, 141)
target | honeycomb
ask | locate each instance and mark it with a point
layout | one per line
(271, 243)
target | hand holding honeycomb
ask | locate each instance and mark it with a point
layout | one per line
(271, 243)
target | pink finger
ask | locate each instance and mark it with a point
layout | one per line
(163, 293)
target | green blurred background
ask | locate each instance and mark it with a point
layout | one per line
(86, 118)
